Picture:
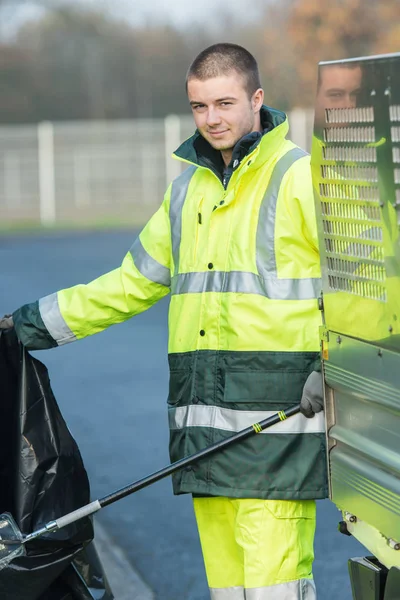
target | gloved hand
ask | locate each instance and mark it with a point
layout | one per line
(312, 399)
(6, 322)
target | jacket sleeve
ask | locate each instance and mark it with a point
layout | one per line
(74, 313)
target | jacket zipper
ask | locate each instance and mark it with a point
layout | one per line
(198, 224)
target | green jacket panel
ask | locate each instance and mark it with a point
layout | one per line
(213, 394)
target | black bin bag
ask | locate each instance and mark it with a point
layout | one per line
(42, 477)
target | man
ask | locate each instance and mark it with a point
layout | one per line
(339, 86)
(235, 244)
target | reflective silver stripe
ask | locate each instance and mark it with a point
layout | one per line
(54, 321)
(279, 289)
(245, 283)
(216, 281)
(265, 245)
(178, 194)
(148, 266)
(228, 419)
(302, 589)
(231, 593)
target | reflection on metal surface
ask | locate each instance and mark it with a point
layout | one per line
(350, 134)
(361, 288)
(350, 192)
(344, 153)
(355, 155)
(365, 461)
(350, 115)
(395, 131)
(356, 176)
(350, 173)
(347, 267)
(340, 209)
(394, 113)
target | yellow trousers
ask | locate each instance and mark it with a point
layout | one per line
(257, 549)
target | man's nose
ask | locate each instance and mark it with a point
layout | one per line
(351, 101)
(213, 117)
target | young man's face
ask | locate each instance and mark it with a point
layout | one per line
(223, 111)
(339, 87)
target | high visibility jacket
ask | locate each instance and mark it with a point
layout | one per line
(242, 267)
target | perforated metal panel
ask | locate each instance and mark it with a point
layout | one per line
(356, 173)
(350, 205)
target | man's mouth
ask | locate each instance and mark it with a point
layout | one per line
(217, 133)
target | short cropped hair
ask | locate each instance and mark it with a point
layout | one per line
(345, 65)
(222, 59)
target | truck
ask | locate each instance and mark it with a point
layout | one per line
(355, 161)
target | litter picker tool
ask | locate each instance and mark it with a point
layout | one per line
(12, 542)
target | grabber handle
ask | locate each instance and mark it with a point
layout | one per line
(93, 507)
(282, 415)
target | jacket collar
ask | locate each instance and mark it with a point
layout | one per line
(198, 151)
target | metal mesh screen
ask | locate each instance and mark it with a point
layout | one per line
(350, 206)
(394, 115)
(356, 173)
(350, 134)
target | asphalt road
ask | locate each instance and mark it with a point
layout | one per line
(112, 391)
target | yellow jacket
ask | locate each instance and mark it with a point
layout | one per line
(242, 267)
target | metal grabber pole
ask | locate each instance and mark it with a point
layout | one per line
(12, 542)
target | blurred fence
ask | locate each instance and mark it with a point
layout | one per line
(94, 172)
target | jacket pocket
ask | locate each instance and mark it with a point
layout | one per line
(179, 387)
(291, 509)
(278, 387)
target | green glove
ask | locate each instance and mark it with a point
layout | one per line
(312, 399)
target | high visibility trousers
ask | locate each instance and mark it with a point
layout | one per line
(257, 549)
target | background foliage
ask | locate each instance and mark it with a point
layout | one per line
(76, 63)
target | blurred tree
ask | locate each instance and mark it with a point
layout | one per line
(77, 54)
(75, 63)
(19, 88)
(95, 67)
(162, 64)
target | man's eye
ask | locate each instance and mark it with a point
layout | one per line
(226, 103)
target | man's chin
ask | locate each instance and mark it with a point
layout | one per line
(221, 145)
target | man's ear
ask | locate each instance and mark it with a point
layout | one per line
(257, 99)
